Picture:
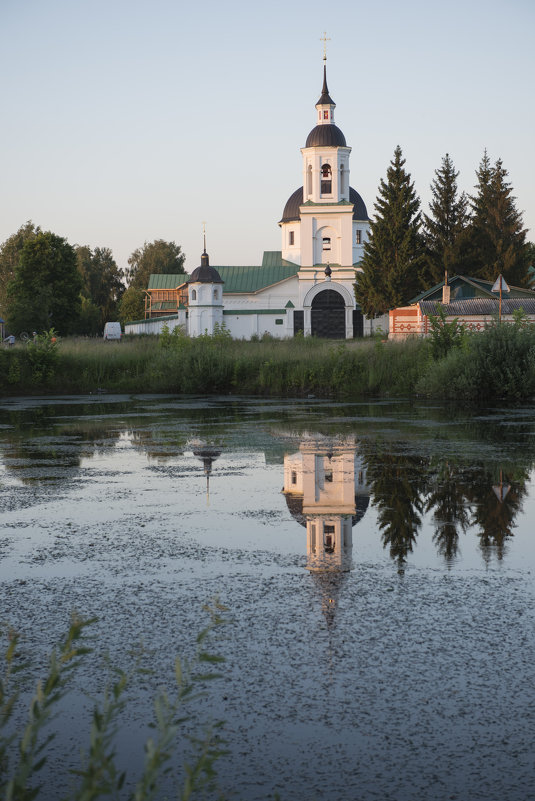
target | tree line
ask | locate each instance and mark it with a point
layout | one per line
(479, 235)
(45, 282)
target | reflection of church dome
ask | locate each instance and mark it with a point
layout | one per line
(291, 209)
(208, 457)
(295, 507)
(326, 136)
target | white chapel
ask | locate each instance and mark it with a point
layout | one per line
(307, 286)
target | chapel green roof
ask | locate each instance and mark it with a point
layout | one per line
(169, 281)
(239, 279)
(253, 279)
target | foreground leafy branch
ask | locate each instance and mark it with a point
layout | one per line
(99, 775)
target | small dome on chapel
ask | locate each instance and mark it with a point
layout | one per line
(204, 274)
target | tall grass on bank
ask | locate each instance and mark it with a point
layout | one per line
(219, 365)
(25, 750)
(496, 363)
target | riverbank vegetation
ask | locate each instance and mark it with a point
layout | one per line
(498, 363)
(26, 740)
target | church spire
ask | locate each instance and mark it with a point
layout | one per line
(325, 104)
(205, 262)
(325, 99)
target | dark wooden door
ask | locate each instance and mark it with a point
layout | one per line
(358, 323)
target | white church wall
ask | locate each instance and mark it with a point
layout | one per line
(358, 248)
(247, 325)
(291, 252)
(156, 324)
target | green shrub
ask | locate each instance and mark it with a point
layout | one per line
(445, 336)
(42, 356)
(498, 363)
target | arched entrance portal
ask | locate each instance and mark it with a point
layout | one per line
(328, 315)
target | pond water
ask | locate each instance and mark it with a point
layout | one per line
(376, 560)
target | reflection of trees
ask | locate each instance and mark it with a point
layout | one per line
(493, 518)
(35, 443)
(447, 500)
(397, 482)
(404, 481)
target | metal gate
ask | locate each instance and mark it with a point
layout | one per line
(328, 315)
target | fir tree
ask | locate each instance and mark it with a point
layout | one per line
(394, 254)
(444, 230)
(497, 237)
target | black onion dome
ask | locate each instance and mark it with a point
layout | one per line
(326, 136)
(205, 274)
(291, 209)
(359, 207)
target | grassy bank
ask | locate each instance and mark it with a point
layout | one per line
(214, 365)
(498, 363)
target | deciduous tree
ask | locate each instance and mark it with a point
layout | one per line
(9, 257)
(102, 287)
(45, 290)
(394, 255)
(158, 257)
(132, 305)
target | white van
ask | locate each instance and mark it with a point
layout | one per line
(112, 331)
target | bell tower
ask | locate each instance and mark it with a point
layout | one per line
(205, 298)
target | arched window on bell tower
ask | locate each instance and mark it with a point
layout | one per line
(342, 181)
(326, 179)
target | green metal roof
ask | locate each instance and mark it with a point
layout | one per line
(253, 279)
(238, 279)
(163, 305)
(273, 258)
(158, 281)
(464, 288)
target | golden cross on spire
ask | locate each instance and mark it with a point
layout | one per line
(204, 233)
(325, 39)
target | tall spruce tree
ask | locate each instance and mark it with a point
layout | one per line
(445, 228)
(394, 257)
(497, 238)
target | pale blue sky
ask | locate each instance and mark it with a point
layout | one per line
(128, 120)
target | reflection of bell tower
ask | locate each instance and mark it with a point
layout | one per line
(208, 454)
(325, 490)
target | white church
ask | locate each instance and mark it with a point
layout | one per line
(307, 286)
